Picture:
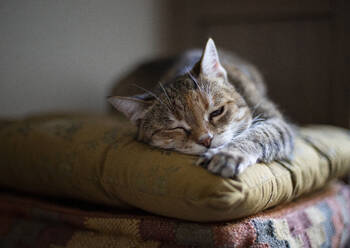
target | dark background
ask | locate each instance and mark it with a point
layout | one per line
(301, 47)
(68, 55)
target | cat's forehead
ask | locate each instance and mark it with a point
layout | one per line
(186, 88)
(191, 107)
(185, 97)
(206, 95)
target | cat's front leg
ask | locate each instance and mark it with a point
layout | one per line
(266, 141)
(227, 161)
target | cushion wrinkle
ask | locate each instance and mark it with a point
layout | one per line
(97, 159)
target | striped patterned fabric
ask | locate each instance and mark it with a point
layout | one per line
(318, 220)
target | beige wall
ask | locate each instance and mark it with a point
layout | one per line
(64, 55)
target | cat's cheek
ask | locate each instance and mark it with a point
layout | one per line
(169, 143)
(222, 138)
(164, 143)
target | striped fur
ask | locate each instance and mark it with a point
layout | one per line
(212, 107)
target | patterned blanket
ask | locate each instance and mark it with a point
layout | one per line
(318, 220)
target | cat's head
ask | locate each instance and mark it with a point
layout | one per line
(194, 112)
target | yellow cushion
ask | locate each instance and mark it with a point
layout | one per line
(96, 158)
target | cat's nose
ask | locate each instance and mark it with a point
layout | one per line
(205, 140)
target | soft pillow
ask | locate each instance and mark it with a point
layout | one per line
(96, 158)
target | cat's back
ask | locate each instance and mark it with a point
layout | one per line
(233, 64)
(148, 74)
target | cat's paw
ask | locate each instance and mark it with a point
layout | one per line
(226, 164)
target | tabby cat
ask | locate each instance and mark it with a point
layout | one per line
(213, 105)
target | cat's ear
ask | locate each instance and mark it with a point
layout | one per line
(210, 65)
(132, 107)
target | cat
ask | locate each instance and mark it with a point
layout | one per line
(213, 104)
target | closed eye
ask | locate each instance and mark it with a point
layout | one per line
(188, 132)
(217, 112)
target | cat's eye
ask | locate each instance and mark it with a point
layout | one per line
(188, 132)
(217, 112)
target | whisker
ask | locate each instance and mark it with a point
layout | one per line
(255, 108)
(193, 78)
(166, 94)
(150, 92)
(257, 119)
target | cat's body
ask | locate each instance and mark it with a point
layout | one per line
(213, 107)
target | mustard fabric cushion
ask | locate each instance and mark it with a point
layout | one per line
(96, 158)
